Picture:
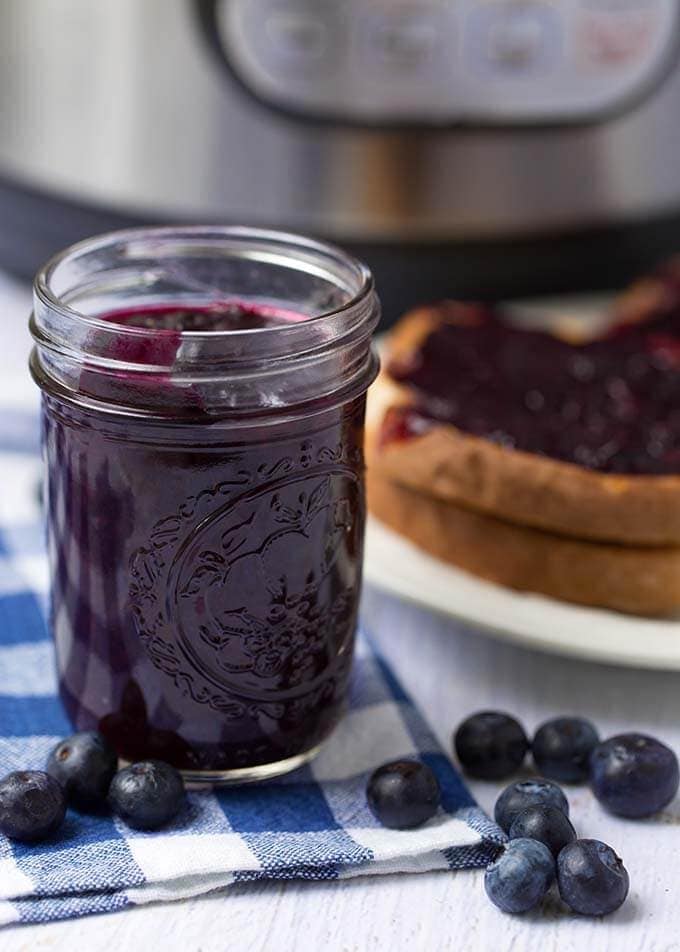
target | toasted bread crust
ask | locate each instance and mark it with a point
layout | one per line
(638, 580)
(513, 485)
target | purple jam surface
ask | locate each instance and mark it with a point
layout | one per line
(611, 405)
(220, 316)
(205, 578)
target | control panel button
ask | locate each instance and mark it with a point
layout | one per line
(298, 37)
(405, 54)
(402, 38)
(514, 38)
(616, 38)
(515, 43)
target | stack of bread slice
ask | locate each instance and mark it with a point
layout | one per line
(542, 464)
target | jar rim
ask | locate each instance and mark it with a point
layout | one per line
(284, 365)
(48, 297)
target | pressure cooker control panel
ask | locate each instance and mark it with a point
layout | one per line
(450, 61)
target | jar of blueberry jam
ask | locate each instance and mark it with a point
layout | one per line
(203, 411)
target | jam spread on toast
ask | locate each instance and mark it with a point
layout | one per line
(611, 404)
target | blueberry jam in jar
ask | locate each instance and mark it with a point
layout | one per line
(203, 411)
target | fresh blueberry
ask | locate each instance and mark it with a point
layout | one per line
(32, 805)
(548, 825)
(521, 876)
(633, 775)
(591, 878)
(146, 795)
(84, 765)
(561, 748)
(528, 793)
(490, 745)
(403, 794)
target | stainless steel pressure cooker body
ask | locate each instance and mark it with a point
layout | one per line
(477, 147)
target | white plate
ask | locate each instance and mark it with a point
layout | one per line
(398, 567)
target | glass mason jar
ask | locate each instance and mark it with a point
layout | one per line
(203, 409)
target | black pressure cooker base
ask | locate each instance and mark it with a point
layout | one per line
(34, 225)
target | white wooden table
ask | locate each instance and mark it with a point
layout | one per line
(450, 672)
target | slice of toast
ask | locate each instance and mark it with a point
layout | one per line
(641, 580)
(610, 492)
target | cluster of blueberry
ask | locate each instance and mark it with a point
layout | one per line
(631, 775)
(82, 771)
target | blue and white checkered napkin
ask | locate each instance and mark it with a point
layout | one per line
(312, 824)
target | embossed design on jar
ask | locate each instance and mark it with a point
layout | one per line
(244, 597)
